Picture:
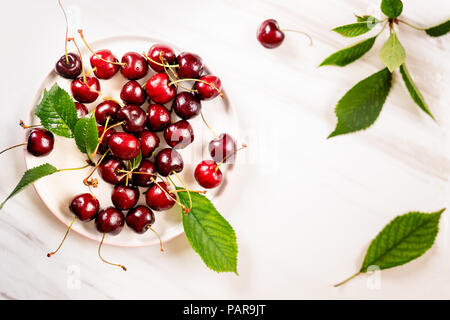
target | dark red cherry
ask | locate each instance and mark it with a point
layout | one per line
(69, 67)
(107, 108)
(157, 197)
(208, 91)
(168, 160)
(149, 142)
(158, 117)
(134, 118)
(125, 197)
(104, 70)
(190, 65)
(110, 220)
(154, 53)
(85, 92)
(109, 170)
(179, 134)
(140, 218)
(144, 180)
(104, 144)
(81, 110)
(40, 142)
(133, 93)
(207, 174)
(222, 147)
(186, 105)
(136, 66)
(158, 89)
(85, 206)
(269, 34)
(124, 145)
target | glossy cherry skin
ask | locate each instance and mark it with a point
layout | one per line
(133, 93)
(179, 134)
(206, 91)
(110, 220)
(124, 146)
(149, 142)
(168, 160)
(81, 110)
(144, 180)
(107, 108)
(186, 105)
(158, 117)
(125, 197)
(136, 66)
(70, 69)
(85, 207)
(140, 218)
(104, 70)
(104, 144)
(85, 92)
(134, 118)
(154, 53)
(222, 147)
(40, 142)
(109, 170)
(158, 89)
(269, 34)
(206, 174)
(190, 65)
(157, 199)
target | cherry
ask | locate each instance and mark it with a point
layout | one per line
(40, 142)
(208, 91)
(104, 70)
(148, 170)
(84, 206)
(125, 197)
(158, 89)
(179, 134)
(134, 66)
(269, 34)
(157, 197)
(133, 117)
(186, 105)
(222, 148)
(124, 145)
(158, 117)
(110, 220)
(168, 160)
(149, 142)
(109, 170)
(69, 66)
(81, 110)
(107, 108)
(132, 93)
(154, 53)
(208, 174)
(85, 92)
(190, 65)
(104, 144)
(140, 219)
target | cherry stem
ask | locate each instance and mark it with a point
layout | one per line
(412, 26)
(158, 63)
(186, 188)
(347, 280)
(90, 71)
(301, 32)
(198, 80)
(67, 30)
(85, 181)
(112, 99)
(99, 254)
(167, 193)
(81, 59)
(173, 72)
(65, 236)
(225, 158)
(72, 169)
(23, 125)
(206, 123)
(17, 145)
(160, 241)
(87, 45)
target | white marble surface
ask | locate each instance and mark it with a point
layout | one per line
(305, 209)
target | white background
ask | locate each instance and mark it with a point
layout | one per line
(304, 208)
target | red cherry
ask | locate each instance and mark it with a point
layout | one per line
(157, 197)
(140, 218)
(158, 88)
(110, 220)
(190, 65)
(135, 67)
(107, 108)
(154, 53)
(104, 70)
(207, 174)
(179, 134)
(149, 142)
(81, 110)
(104, 144)
(84, 206)
(186, 105)
(124, 145)
(168, 160)
(144, 180)
(69, 66)
(109, 170)
(40, 142)
(158, 117)
(206, 91)
(125, 197)
(85, 92)
(223, 147)
(133, 93)
(269, 34)
(134, 118)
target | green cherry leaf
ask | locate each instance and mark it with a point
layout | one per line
(392, 8)
(348, 55)
(367, 18)
(361, 105)
(354, 29)
(86, 134)
(392, 53)
(439, 30)
(135, 162)
(57, 112)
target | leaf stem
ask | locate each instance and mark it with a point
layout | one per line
(17, 145)
(70, 169)
(347, 280)
(412, 26)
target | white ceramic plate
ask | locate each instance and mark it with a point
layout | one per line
(57, 190)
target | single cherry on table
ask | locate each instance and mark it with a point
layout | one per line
(271, 36)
